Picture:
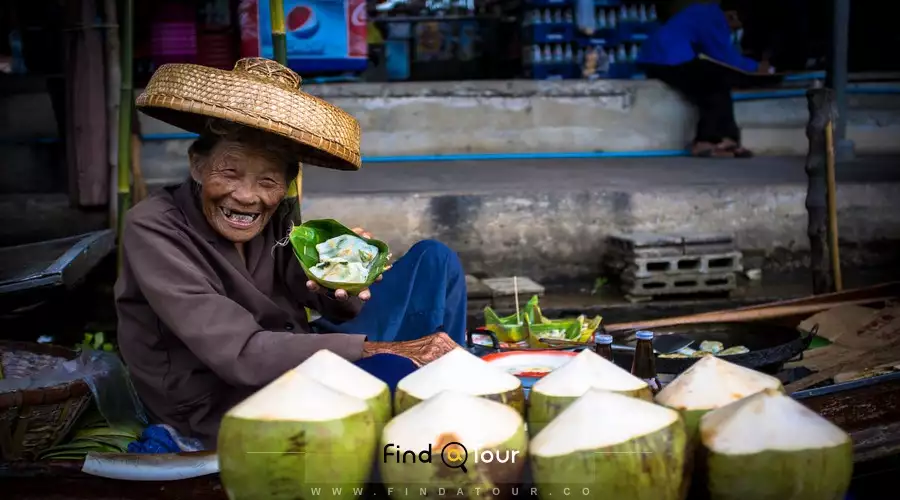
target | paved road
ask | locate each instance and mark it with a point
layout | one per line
(567, 175)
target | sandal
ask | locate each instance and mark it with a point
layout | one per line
(710, 152)
(736, 150)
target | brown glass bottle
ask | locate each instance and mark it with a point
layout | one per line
(603, 346)
(644, 364)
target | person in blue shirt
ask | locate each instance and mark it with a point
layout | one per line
(672, 53)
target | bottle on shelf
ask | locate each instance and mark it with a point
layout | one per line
(644, 364)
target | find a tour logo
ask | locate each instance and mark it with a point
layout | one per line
(302, 21)
(453, 454)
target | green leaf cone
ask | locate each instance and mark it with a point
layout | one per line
(296, 439)
(639, 467)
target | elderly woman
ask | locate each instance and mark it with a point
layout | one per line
(211, 305)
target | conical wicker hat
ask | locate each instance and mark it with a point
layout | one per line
(258, 93)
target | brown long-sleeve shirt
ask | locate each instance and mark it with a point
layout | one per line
(199, 329)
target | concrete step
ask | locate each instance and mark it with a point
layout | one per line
(549, 219)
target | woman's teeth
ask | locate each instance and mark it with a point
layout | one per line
(239, 217)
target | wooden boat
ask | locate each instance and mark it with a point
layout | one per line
(868, 409)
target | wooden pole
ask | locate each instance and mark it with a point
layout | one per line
(85, 103)
(833, 246)
(821, 111)
(126, 106)
(113, 94)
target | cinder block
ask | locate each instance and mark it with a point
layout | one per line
(638, 240)
(678, 284)
(645, 267)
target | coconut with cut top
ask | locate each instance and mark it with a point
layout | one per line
(709, 384)
(588, 370)
(341, 375)
(613, 445)
(493, 450)
(770, 446)
(292, 436)
(461, 371)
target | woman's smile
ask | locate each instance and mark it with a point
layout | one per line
(240, 219)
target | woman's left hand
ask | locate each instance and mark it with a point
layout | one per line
(341, 294)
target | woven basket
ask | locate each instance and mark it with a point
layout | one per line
(34, 420)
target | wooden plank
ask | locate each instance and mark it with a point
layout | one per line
(86, 132)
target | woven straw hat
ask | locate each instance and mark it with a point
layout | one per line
(258, 93)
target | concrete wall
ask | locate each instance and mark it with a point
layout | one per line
(476, 117)
(529, 116)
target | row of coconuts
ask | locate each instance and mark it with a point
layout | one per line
(323, 430)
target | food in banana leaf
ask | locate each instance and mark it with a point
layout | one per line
(531, 325)
(711, 346)
(578, 330)
(333, 256)
(344, 258)
(510, 328)
(707, 348)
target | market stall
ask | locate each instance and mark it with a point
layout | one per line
(539, 384)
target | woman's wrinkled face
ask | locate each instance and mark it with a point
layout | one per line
(241, 187)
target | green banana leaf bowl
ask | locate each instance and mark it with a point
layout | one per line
(306, 236)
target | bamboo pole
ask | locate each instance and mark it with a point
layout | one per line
(126, 105)
(113, 94)
(279, 40)
(279, 50)
(833, 249)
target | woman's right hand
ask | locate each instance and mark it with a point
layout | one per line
(420, 351)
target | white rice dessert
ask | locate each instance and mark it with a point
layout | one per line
(344, 259)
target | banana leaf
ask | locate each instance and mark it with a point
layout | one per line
(306, 236)
(511, 329)
(578, 330)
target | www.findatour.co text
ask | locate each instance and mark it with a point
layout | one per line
(430, 492)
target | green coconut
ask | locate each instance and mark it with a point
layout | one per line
(341, 375)
(419, 444)
(296, 439)
(770, 447)
(709, 384)
(460, 371)
(588, 370)
(611, 446)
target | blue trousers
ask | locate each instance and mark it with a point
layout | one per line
(423, 293)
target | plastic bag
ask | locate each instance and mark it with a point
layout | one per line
(103, 372)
